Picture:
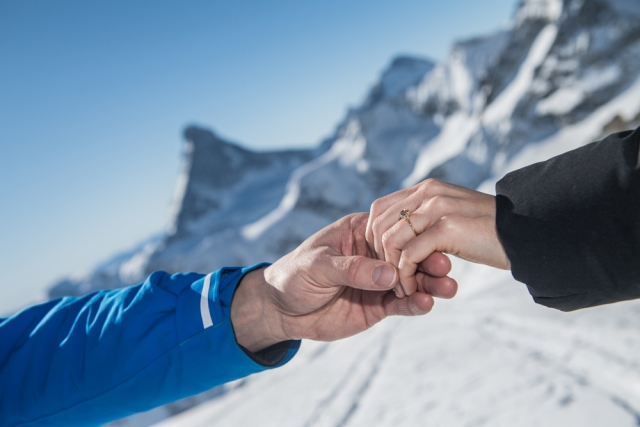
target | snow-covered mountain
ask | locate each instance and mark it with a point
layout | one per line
(562, 74)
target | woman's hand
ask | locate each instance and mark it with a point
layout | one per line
(446, 218)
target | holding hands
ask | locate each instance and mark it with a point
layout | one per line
(408, 226)
(331, 287)
(338, 282)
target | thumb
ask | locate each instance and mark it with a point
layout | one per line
(361, 272)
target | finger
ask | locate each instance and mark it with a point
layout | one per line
(399, 291)
(441, 237)
(378, 208)
(398, 236)
(437, 264)
(359, 272)
(419, 195)
(391, 219)
(415, 305)
(435, 267)
(425, 209)
(440, 287)
(425, 191)
(432, 203)
(395, 239)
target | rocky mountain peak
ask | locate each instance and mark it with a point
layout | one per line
(214, 169)
(209, 164)
(403, 73)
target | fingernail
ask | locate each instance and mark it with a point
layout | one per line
(404, 290)
(398, 292)
(384, 275)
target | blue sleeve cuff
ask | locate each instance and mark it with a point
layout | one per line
(204, 311)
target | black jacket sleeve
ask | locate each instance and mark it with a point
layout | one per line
(571, 225)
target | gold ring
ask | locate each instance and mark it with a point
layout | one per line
(405, 214)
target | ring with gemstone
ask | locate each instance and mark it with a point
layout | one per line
(405, 214)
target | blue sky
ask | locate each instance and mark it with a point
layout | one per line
(94, 96)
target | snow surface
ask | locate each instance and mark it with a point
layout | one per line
(459, 128)
(348, 149)
(452, 139)
(488, 357)
(626, 106)
(571, 95)
(503, 106)
(549, 10)
(455, 81)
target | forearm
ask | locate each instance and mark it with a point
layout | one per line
(89, 360)
(571, 225)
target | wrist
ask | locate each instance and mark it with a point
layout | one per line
(256, 321)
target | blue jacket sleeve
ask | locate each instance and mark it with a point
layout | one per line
(104, 356)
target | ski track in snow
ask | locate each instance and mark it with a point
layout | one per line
(361, 384)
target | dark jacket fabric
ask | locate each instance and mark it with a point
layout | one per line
(571, 225)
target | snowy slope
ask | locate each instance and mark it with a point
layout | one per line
(562, 74)
(489, 357)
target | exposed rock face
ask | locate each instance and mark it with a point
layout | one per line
(213, 179)
(561, 75)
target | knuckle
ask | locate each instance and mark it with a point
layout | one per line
(353, 268)
(448, 223)
(448, 227)
(403, 310)
(409, 308)
(352, 217)
(378, 313)
(405, 262)
(430, 186)
(388, 239)
(376, 207)
(378, 226)
(413, 309)
(440, 204)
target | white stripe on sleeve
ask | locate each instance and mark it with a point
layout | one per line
(204, 302)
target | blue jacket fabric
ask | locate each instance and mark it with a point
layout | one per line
(109, 354)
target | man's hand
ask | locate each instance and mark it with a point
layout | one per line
(331, 287)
